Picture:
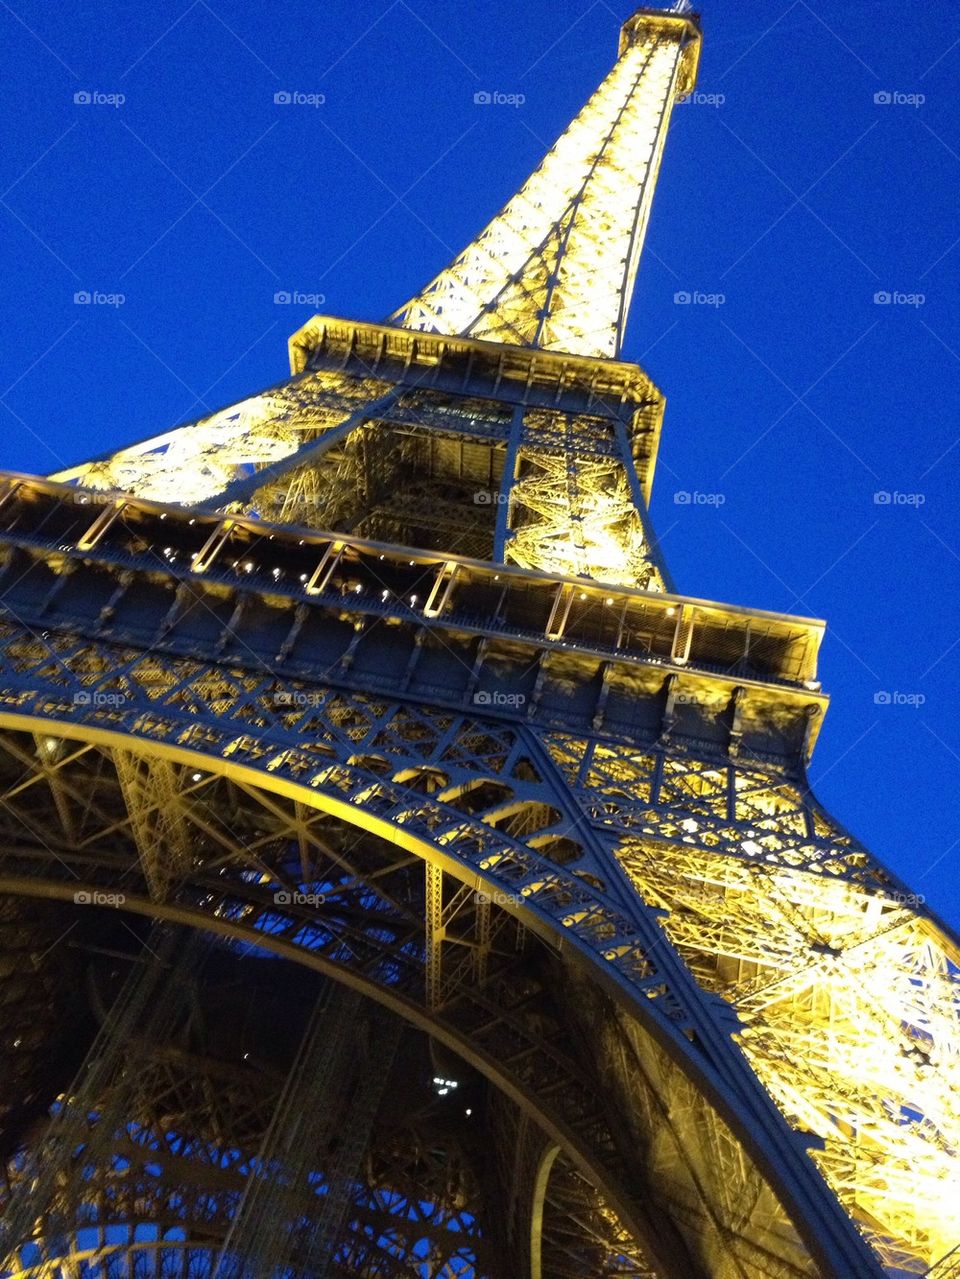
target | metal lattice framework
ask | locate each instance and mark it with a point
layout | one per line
(377, 682)
(555, 268)
(420, 440)
(173, 1140)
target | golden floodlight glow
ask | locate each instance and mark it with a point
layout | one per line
(556, 267)
(499, 388)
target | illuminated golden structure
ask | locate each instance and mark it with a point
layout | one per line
(489, 924)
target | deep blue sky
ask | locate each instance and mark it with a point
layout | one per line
(798, 198)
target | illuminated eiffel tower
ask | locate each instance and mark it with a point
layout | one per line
(397, 877)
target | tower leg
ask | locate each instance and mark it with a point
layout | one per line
(63, 1173)
(297, 1199)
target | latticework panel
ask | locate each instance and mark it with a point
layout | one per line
(556, 267)
(577, 516)
(848, 993)
(483, 796)
(194, 463)
(580, 1235)
(352, 454)
(850, 1012)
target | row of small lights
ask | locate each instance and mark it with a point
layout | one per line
(249, 566)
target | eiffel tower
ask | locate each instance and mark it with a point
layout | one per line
(398, 878)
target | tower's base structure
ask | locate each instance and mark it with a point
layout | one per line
(397, 878)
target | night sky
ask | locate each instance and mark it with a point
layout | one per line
(808, 202)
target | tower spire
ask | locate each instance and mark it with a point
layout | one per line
(555, 268)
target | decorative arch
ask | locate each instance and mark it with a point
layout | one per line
(560, 905)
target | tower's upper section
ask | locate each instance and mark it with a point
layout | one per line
(492, 417)
(556, 267)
